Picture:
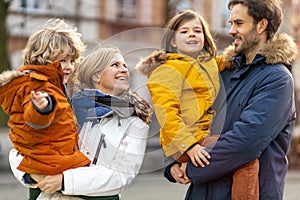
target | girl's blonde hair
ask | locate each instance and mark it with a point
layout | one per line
(97, 62)
(173, 25)
(46, 45)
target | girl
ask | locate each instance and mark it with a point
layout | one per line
(183, 83)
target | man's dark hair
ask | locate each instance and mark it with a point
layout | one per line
(260, 9)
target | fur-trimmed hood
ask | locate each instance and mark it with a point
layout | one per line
(53, 71)
(147, 65)
(281, 49)
(159, 57)
(12, 81)
(7, 76)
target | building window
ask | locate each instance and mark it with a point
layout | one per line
(127, 9)
(225, 16)
(30, 4)
(219, 16)
(23, 4)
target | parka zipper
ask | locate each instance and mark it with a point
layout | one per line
(101, 142)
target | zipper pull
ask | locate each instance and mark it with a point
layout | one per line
(119, 123)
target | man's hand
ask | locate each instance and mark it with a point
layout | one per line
(183, 169)
(178, 174)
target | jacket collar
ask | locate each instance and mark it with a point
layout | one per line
(148, 65)
(280, 49)
(105, 105)
(52, 71)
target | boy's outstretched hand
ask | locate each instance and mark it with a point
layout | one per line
(39, 99)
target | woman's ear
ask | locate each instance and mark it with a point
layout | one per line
(96, 77)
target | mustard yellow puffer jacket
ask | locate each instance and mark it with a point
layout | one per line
(183, 90)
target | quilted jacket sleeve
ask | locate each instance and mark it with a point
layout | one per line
(100, 180)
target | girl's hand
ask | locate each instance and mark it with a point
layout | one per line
(198, 155)
(51, 183)
(39, 99)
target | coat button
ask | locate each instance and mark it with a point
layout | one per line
(183, 145)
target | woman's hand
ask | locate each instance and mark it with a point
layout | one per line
(51, 183)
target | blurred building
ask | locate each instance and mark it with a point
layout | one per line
(27, 16)
(134, 25)
(102, 19)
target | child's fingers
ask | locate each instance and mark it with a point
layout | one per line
(195, 163)
(201, 160)
(38, 94)
(32, 94)
(41, 94)
(204, 159)
(39, 99)
(43, 103)
(205, 154)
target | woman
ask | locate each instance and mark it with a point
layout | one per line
(114, 129)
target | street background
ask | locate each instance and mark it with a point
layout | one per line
(149, 184)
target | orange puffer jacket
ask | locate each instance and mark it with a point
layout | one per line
(48, 142)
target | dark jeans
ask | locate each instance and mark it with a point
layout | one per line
(35, 192)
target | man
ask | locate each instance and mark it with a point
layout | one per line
(259, 103)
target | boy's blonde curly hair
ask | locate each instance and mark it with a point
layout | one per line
(49, 43)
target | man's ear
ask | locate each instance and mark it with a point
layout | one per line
(262, 25)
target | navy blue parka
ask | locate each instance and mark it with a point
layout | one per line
(255, 116)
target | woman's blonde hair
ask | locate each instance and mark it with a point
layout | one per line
(97, 62)
(46, 45)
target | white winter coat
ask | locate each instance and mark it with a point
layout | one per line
(119, 161)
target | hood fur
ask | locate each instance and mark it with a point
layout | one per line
(281, 49)
(147, 65)
(7, 76)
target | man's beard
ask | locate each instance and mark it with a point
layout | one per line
(249, 41)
